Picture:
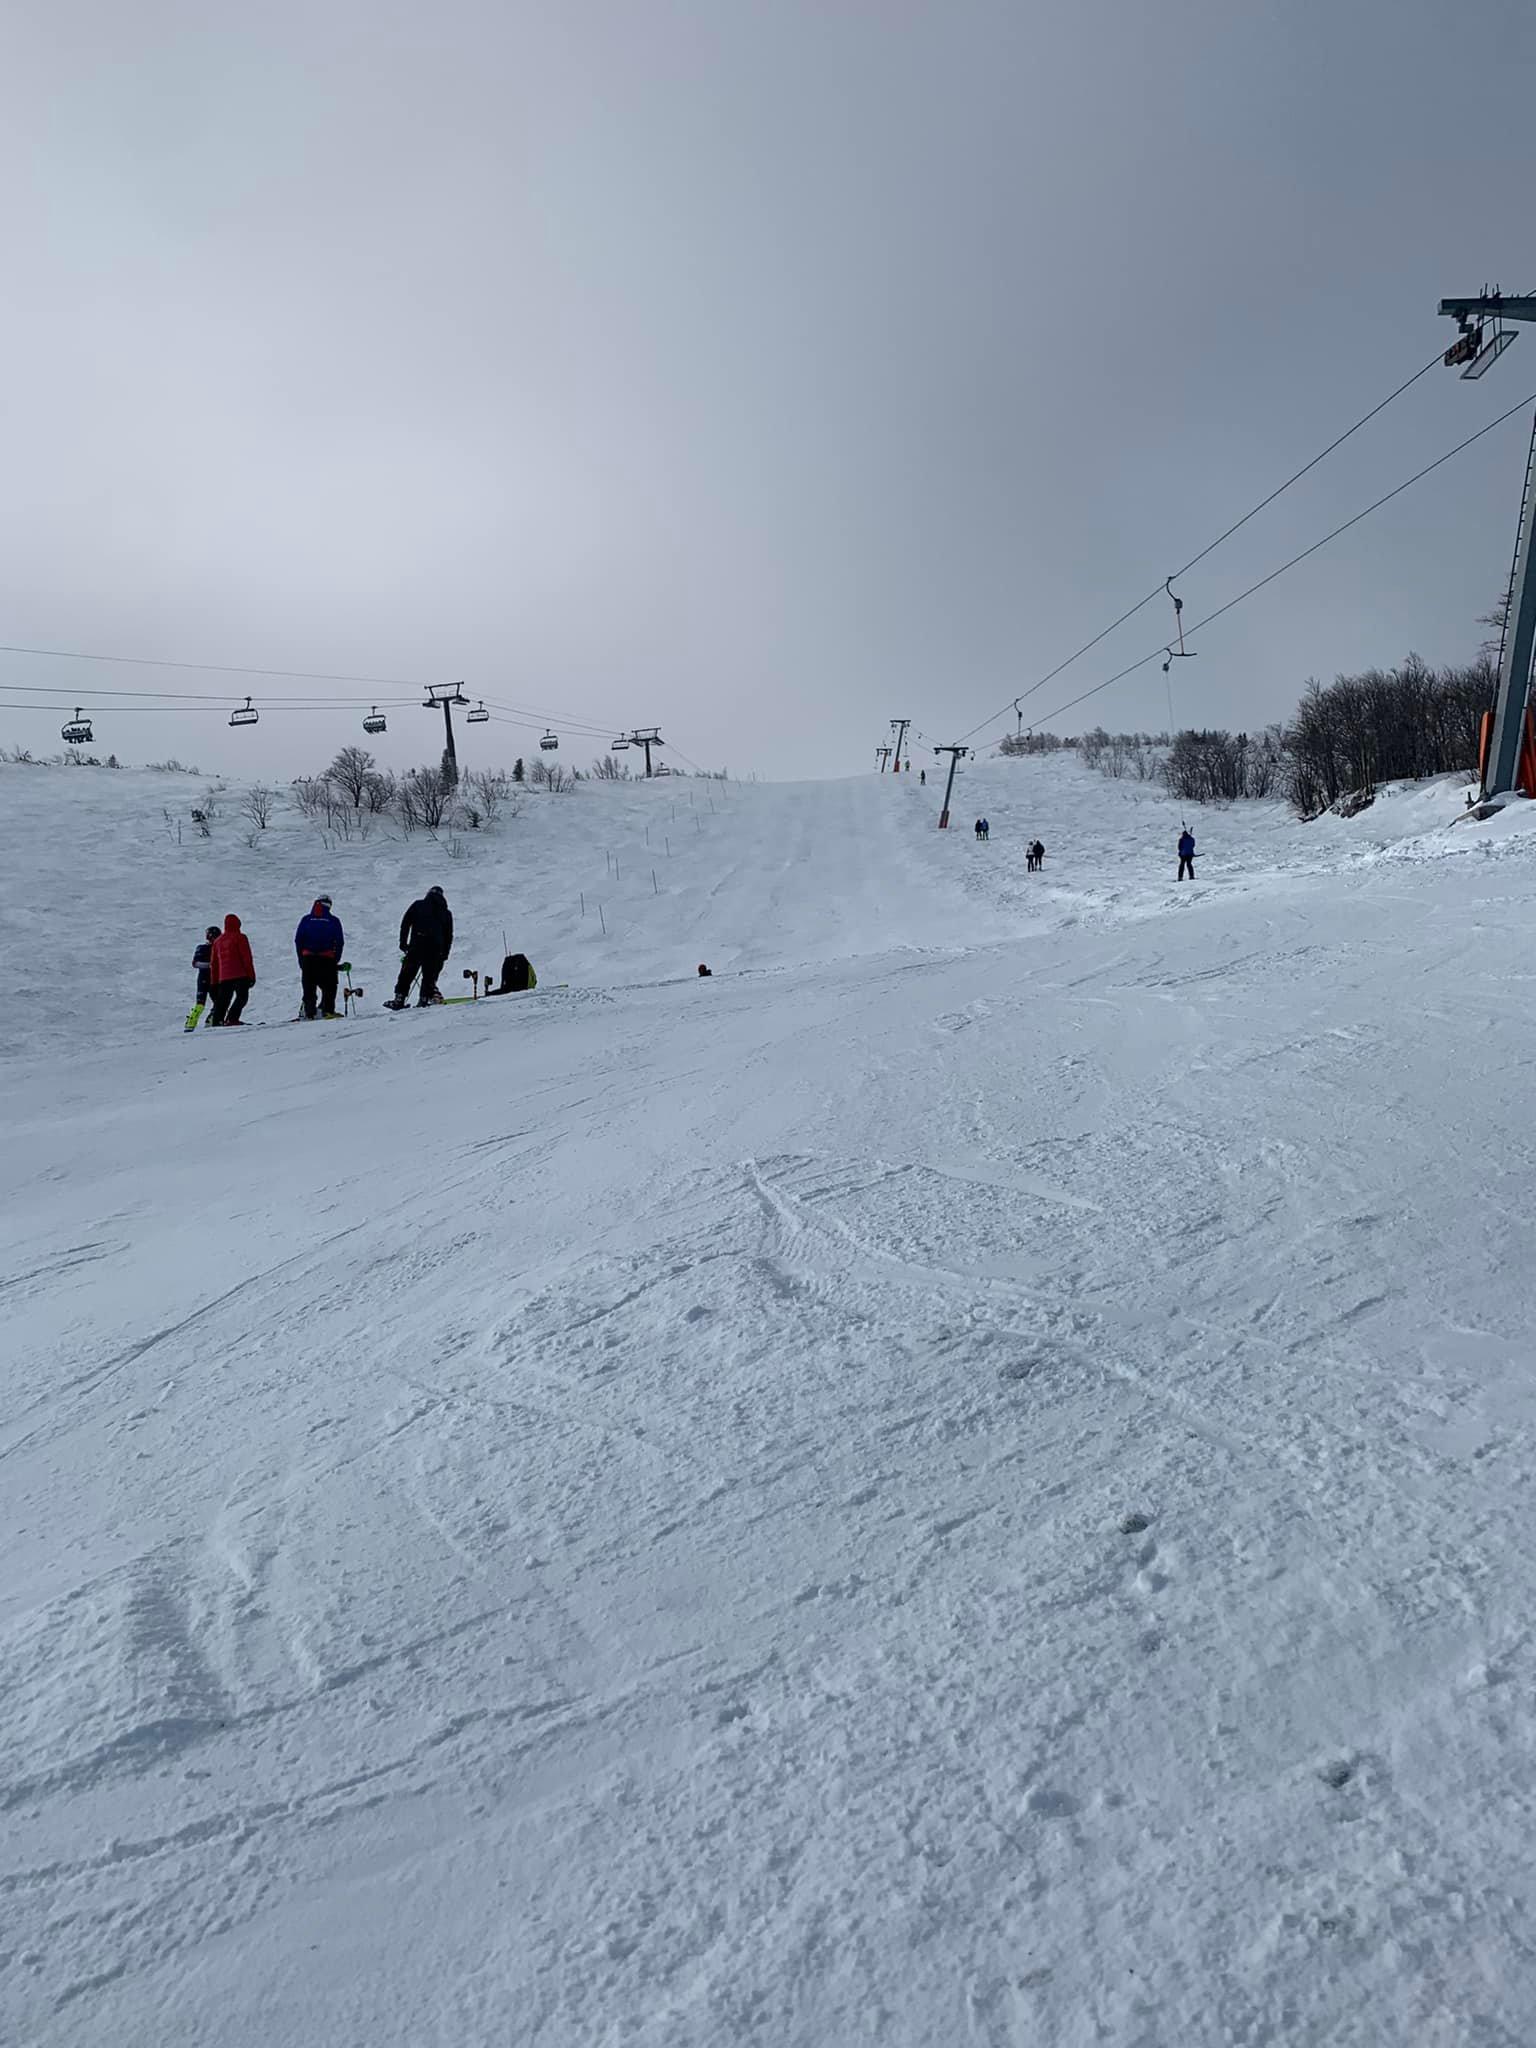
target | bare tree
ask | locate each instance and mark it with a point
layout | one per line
(259, 804)
(350, 772)
(312, 796)
(423, 798)
(379, 792)
(1384, 725)
(608, 769)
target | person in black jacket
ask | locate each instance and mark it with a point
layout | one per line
(426, 940)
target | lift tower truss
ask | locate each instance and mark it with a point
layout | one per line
(1479, 351)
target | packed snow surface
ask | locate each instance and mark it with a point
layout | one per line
(967, 1479)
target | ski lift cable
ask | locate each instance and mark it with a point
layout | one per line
(200, 709)
(218, 668)
(1232, 602)
(585, 727)
(1211, 547)
(164, 699)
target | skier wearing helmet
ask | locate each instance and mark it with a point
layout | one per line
(426, 940)
(318, 943)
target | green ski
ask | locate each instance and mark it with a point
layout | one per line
(194, 1017)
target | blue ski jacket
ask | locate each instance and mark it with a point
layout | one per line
(319, 935)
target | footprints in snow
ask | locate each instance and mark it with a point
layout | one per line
(1152, 1575)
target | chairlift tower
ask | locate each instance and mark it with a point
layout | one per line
(1479, 351)
(899, 727)
(956, 756)
(447, 695)
(647, 736)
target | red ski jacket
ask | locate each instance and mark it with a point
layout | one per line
(231, 955)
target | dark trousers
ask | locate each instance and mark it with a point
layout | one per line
(229, 1000)
(319, 979)
(427, 961)
(202, 984)
(1186, 866)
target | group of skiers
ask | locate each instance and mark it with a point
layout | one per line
(1034, 853)
(226, 970)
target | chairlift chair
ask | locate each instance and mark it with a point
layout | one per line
(375, 721)
(246, 715)
(549, 742)
(479, 716)
(621, 746)
(78, 730)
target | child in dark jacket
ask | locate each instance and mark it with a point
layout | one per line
(201, 956)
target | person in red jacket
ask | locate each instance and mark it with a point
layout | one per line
(231, 972)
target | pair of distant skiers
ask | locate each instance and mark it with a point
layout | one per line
(226, 973)
(426, 939)
(983, 829)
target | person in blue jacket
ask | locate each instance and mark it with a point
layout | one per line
(1186, 855)
(318, 943)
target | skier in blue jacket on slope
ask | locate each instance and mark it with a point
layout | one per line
(318, 943)
(1186, 855)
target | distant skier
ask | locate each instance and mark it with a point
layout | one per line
(1186, 855)
(231, 972)
(201, 957)
(986, 828)
(704, 973)
(978, 828)
(318, 943)
(426, 940)
(922, 778)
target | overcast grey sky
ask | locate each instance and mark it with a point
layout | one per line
(761, 367)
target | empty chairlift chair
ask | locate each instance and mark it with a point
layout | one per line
(621, 745)
(375, 721)
(246, 715)
(478, 716)
(549, 742)
(78, 730)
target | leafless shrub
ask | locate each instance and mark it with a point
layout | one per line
(378, 792)
(422, 799)
(258, 806)
(486, 790)
(607, 768)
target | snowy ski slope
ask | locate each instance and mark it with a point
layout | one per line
(965, 1480)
